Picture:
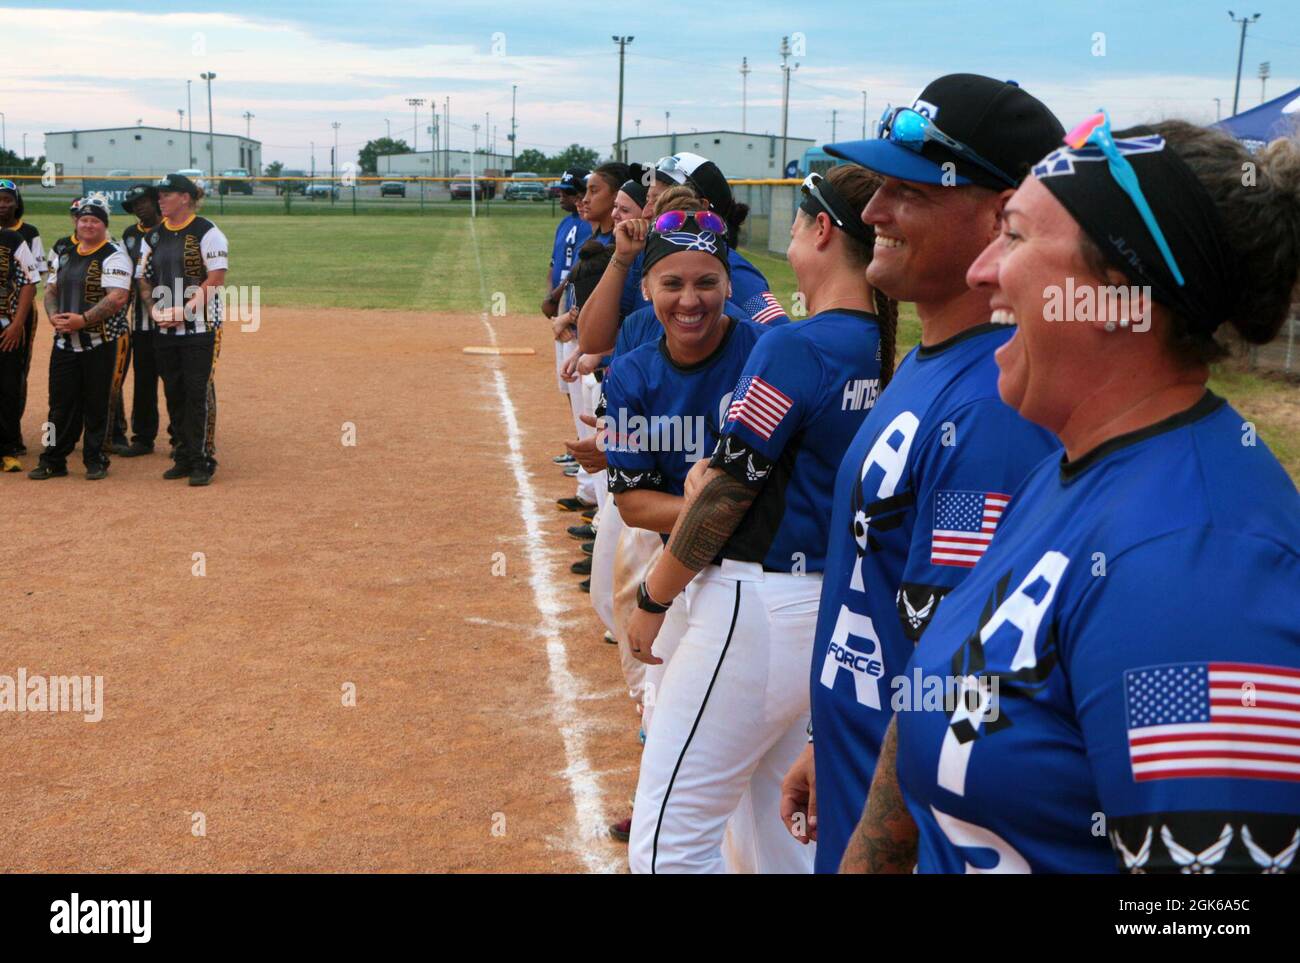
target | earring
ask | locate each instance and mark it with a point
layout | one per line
(1110, 326)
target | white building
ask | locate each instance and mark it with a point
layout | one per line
(740, 156)
(448, 163)
(148, 150)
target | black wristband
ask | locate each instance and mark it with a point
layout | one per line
(647, 604)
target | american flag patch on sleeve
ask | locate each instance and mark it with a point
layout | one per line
(1233, 720)
(758, 406)
(763, 308)
(964, 523)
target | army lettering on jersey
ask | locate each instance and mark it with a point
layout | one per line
(179, 258)
(18, 268)
(83, 280)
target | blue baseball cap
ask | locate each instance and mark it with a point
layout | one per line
(1006, 126)
(575, 179)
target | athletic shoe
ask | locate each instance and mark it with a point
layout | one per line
(621, 830)
(176, 471)
(10, 463)
(200, 477)
(574, 505)
(589, 514)
(609, 638)
(135, 449)
(585, 585)
(584, 533)
(42, 472)
(581, 568)
(565, 459)
(570, 471)
(96, 473)
(588, 548)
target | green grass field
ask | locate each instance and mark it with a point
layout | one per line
(323, 256)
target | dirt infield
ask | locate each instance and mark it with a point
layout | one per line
(325, 565)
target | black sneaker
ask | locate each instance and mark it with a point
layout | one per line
(135, 449)
(581, 568)
(176, 471)
(585, 585)
(588, 548)
(584, 533)
(589, 514)
(96, 472)
(565, 459)
(200, 478)
(574, 505)
(42, 472)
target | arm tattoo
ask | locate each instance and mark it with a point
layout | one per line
(709, 521)
(885, 839)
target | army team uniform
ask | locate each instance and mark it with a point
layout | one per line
(86, 366)
(175, 258)
(18, 268)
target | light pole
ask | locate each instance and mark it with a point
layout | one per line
(514, 91)
(415, 103)
(666, 116)
(833, 117)
(24, 145)
(212, 164)
(248, 124)
(189, 111)
(638, 127)
(313, 159)
(334, 161)
(620, 152)
(864, 115)
(785, 100)
(1241, 50)
(473, 188)
(388, 126)
(1218, 108)
(745, 71)
(446, 141)
(1264, 72)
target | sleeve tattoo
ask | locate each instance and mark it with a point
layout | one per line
(885, 838)
(709, 521)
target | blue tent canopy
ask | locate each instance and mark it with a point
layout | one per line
(1279, 117)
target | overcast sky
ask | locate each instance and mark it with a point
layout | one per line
(298, 65)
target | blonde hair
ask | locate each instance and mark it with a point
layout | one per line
(678, 198)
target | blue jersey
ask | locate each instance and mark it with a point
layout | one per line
(642, 325)
(1133, 640)
(662, 417)
(631, 299)
(570, 234)
(938, 455)
(798, 404)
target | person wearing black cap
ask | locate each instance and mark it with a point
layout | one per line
(11, 217)
(934, 465)
(182, 269)
(1139, 604)
(19, 275)
(731, 715)
(86, 302)
(570, 234)
(141, 201)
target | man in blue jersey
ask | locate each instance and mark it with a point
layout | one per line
(922, 486)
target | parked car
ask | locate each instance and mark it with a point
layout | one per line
(392, 187)
(460, 190)
(314, 191)
(295, 182)
(525, 191)
(199, 177)
(235, 179)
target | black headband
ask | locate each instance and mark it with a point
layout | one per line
(688, 237)
(852, 221)
(1081, 180)
(635, 190)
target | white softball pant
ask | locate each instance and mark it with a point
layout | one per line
(731, 716)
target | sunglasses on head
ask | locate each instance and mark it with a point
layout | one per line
(1096, 131)
(812, 188)
(672, 167)
(8, 185)
(705, 220)
(911, 129)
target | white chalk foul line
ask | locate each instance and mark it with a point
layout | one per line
(566, 689)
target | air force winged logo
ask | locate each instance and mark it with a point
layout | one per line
(728, 456)
(753, 473)
(1133, 862)
(1202, 862)
(704, 241)
(1063, 159)
(1271, 865)
(915, 617)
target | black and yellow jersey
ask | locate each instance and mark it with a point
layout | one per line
(34, 243)
(82, 278)
(133, 241)
(177, 257)
(59, 248)
(18, 269)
